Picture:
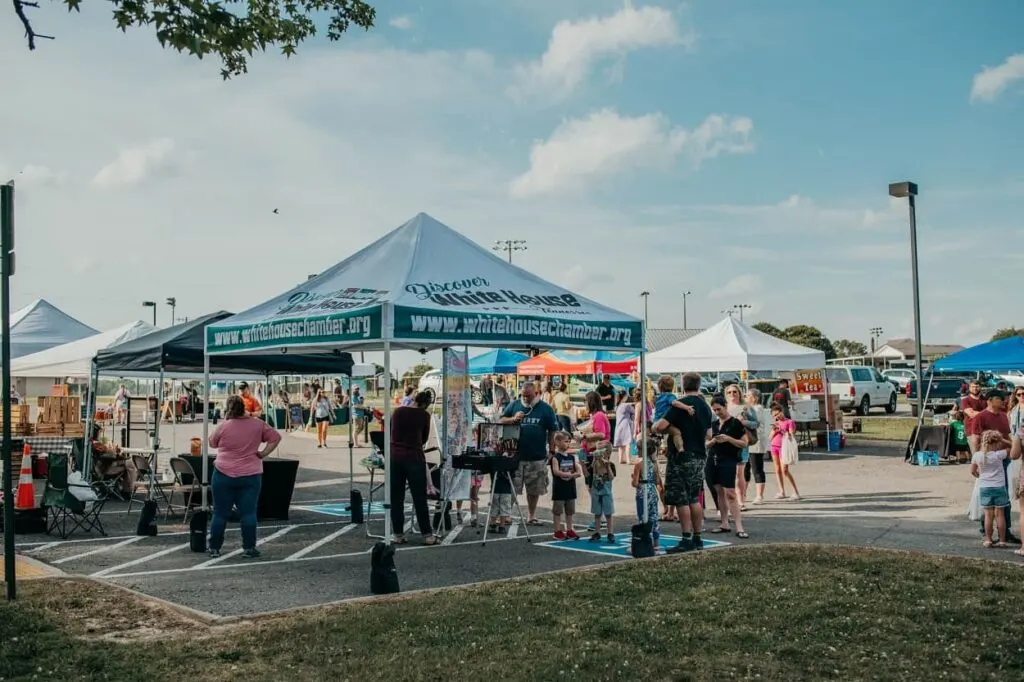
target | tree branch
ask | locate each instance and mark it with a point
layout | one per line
(19, 9)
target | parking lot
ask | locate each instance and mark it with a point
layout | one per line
(864, 495)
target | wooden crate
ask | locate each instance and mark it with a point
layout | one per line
(22, 429)
(19, 414)
(59, 410)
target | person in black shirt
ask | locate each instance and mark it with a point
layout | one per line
(728, 438)
(607, 393)
(684, 474)
(782, 396)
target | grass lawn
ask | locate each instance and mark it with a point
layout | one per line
(782, 613)
(886, 428)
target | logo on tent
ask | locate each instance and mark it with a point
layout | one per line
(332, 301)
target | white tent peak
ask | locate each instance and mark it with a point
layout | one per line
(732, 345)
(41, 325)
(74, 359)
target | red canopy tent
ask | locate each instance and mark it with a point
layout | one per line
(579, 362)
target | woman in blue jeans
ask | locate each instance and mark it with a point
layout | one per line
(238, 473)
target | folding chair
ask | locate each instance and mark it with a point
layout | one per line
(66, 513)
(187, 483)
(145, 479)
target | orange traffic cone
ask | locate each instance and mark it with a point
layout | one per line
(26, 497)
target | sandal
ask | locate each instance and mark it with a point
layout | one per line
(742, 535)
(1020, 552)
(718, 530)
(399, 540)
(534, 522)
(431, 540)
(1000, 545)
(987, 544)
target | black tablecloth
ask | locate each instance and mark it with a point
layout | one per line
(930, 439)
(276, 490)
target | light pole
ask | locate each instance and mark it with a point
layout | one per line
(686, 295)
(509, 245)
(173, 302)
(909, 190)
(741, 307)
(151, 304)
(729, 311)
(645, 295)
(876, 332)
(6, 272)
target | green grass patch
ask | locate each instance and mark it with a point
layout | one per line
(782, 613)
(886, 428)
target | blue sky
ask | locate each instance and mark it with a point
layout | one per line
(740, 150)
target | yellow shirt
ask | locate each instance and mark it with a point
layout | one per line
(563, 406)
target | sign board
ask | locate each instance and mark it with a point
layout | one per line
(458, 417)
(810, 381)
(295, 415)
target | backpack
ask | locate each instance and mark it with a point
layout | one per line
(641, 544)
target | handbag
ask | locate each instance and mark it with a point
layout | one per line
(974, 506)
(790, 451)
(383, 574)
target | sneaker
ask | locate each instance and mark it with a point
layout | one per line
(758, 500)
(697, 542)
(252, 554)
(780, 496)
(795, 497)
(596, 537)
(213, 553)
(611, 538)
(685, 545)
(559, 535)
(571, 535)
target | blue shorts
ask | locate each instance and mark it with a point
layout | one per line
(994, 498)
(602, 504)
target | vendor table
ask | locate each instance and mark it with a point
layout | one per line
(276, 490)
(931, 439)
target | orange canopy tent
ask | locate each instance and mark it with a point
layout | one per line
(579, 362)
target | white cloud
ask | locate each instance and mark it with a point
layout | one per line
(402, 23)
(132, 166)
(605, 143)
(740, 286)
(991, 81)
(576, 46)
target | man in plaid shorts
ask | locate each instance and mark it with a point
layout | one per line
(537, 426)
(684, 473)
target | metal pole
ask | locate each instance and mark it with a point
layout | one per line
(388, 529)
(917, 302)
(643, 411)
(685, 296)
(6, 263)
(204, 448)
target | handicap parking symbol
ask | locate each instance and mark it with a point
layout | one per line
(621, 546)
(344, 510)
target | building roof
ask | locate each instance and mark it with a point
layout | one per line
(905, 348)
(658, 339)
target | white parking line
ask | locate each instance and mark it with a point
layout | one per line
(236, 552)
(260, 564)
(321, 542)
(136, 562)
(318, 484)
(46, 546)
(452, 534)
(98, 550)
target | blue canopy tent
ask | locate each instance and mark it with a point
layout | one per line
(994, 356)
(497, 361)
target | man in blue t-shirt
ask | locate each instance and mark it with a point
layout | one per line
(537, 426)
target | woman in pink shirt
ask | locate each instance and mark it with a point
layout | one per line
(783, 427)
(238, 473)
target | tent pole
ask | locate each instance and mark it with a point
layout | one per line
(828, 424)
(204, 450)
(388, 529)
(642, 380)
(155, 440)
(90, 407)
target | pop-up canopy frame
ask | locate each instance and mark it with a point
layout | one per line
(422, 286)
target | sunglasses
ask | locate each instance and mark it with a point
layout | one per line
(1019, 394)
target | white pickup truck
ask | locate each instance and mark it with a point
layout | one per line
(860, 388)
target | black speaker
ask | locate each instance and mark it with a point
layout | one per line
(355, 506)
(147, 519)
(641, 544)
(197, 531)
(383, 574)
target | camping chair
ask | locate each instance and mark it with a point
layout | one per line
(145, 478)
(377, 443)
(187, 483)
(65, 512)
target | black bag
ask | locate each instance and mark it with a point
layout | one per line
(642, 542)
(197, 531)
(443, 522)
(383, 574)
(147, 519)
(355, 506)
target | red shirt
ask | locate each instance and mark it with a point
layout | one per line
(993, 421)
(979, 404)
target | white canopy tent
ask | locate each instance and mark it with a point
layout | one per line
(41, 325)
(74, 359)
(422, 286)
(733, 346)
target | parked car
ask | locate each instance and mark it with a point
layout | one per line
(900, 378)
(860, 388)
(942, 392)
(431, 382)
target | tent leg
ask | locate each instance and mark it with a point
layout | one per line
(643, 429)
(388, 529)
(90, 409)
(154, 441)
(204, 451)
